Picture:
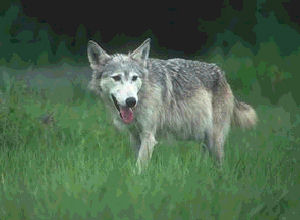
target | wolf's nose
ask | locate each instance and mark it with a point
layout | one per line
(130, 102)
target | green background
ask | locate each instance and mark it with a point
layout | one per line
(77, 166)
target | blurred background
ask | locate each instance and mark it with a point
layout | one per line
(256, 42)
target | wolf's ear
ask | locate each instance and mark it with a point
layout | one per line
(97, 56)
(142, 52)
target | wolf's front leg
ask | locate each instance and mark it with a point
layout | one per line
(135, 143)
(146, 149)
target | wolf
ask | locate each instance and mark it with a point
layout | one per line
(151, 98)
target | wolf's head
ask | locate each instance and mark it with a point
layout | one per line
(118, 78)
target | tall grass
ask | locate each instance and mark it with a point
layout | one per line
(79, 167)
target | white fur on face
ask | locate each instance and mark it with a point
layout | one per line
(122, 89)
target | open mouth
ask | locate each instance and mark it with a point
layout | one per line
(126, 113)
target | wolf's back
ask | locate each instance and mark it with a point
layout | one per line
(243, 115)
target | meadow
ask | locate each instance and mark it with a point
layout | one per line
(77, 166)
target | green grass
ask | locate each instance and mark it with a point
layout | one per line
(80, 167)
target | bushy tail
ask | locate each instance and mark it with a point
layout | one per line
(243, 115)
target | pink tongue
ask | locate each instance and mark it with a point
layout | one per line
(126, 114)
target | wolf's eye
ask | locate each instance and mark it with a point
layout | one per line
(134, 78)
(116, 78)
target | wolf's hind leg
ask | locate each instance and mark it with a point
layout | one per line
(219, 135)
(222, 112)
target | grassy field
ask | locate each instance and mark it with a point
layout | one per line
(79, 167)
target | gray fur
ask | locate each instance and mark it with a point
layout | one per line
(189, 99)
